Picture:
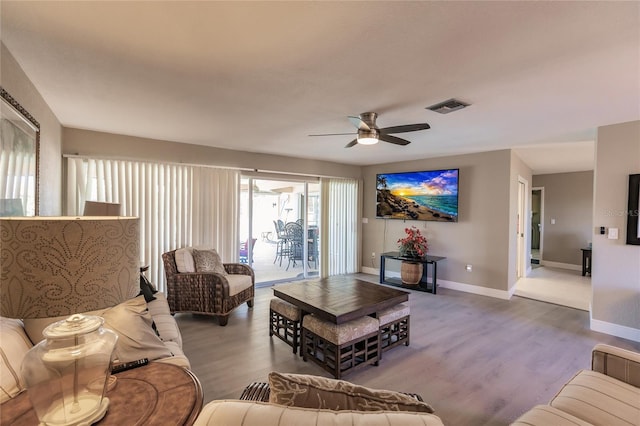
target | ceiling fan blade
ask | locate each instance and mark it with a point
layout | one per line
(356, 121)
(405, 128)
(352, 143)
(334, 134)
(393, 139)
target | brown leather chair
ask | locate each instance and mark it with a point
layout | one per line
(207, 293)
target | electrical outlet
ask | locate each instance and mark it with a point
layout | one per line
(469, 268)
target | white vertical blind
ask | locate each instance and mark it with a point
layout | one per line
(17, 166)
(339, 203)
(178, 205)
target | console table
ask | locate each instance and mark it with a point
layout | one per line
(424, 284)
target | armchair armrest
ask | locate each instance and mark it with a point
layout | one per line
(618, 363)
(240, 269)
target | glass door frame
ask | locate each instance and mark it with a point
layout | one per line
(304, 213)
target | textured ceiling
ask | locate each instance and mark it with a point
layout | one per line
(261, 76)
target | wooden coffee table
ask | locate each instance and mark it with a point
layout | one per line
(156, 394)
(340, 298)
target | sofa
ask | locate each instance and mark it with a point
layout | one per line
(299, 399)
(145, 330)
(606, 395)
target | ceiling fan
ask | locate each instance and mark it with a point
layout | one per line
(369, 133)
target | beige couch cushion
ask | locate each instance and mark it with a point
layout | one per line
(165, 323)
(14, 346)
(238, 282)
(599, 400)
(130, 320)
(238, 413)
(545, 415)
(301, 390)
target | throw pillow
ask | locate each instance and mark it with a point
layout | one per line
(208, 261)
(136, 337)
(301, 390)
(184, 260)
(15, 345)
(130, 320)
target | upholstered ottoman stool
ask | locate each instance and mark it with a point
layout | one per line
(341, 348)
(394, 327)
(284, 322)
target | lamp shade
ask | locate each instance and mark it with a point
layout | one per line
(55, 266)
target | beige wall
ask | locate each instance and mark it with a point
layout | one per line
(616, 266)
(86, 142)
(479, 238)
(15, 81)
(519, 171)
(568, 198)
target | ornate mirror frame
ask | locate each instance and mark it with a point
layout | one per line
(19, 159)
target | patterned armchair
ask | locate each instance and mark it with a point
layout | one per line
(208, 293)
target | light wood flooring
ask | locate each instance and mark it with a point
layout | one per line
(554, 285)
(477, 360)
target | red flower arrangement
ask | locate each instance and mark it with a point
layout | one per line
(414, 244)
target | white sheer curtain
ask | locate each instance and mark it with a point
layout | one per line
(339, 228)
(178, 205)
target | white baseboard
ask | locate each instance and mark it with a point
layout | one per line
(372, 271)
(617, 330)
(561, 265)
(467, 288)
(482, 291)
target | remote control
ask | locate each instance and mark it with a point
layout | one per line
(118, 368)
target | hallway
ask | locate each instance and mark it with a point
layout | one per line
(559, 286)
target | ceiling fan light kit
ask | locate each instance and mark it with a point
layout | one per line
(368, 137)
(370, 134)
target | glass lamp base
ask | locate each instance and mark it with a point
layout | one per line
(87, 420)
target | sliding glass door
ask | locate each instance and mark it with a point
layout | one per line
(280, 228)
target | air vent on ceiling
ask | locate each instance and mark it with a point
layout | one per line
(448, 106)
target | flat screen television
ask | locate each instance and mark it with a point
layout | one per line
(426, 195)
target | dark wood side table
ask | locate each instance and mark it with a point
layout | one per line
(156, 394)
(424, 284)
(586, 261)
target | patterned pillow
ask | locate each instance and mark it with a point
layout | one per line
(208, 261)
(305, 391)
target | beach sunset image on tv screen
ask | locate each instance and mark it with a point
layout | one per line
(427, 195)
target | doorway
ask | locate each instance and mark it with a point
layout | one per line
(521, 224)
(537, 221)
(275, 217)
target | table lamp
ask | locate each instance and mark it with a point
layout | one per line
(58, 267)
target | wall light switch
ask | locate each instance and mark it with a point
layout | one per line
(469, 268)
(365, 220)
(553, 221)
(613, 234)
